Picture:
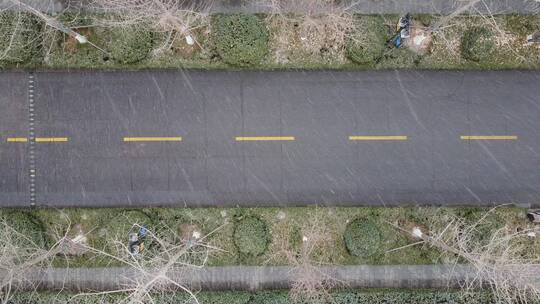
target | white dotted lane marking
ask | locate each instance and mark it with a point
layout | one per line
(32, 140)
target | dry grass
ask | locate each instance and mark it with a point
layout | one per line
(314, 30)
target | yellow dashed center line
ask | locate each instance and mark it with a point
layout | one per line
(17, 139)
(38, 139)
(51, 139)
(264, 138)
(128, 139)
(267, 138)
(491, 137)
(366, 138)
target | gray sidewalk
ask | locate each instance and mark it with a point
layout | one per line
(248, 278)
(360, 6)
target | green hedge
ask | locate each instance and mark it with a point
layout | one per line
(368, 42)
(240, 39)
(271, 297)
(383, 297)
(274, 297)
(130, 44)
(477, 44)
(251, 236)
(412, 297)
(20, 38)
(362, 238)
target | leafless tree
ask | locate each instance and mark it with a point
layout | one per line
(467, 6)
(47, 37)
(158, 268)
(175, 18)
(20, 254)
(309, 284)
(448, 28)
(503, 261)
(321, 25)
(13, 25)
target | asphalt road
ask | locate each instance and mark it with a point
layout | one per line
(269, 138)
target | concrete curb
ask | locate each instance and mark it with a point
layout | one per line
(247, 278)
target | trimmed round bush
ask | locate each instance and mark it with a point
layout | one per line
(240, 39)
(477, 44)
(20, 37)
(362, 238)
(368, 42)
(251, 236)
(131, 44)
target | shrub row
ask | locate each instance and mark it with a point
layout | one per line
(275, 297)
(240, 40)
(362, 237)
(365, 238)
(251, 235)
